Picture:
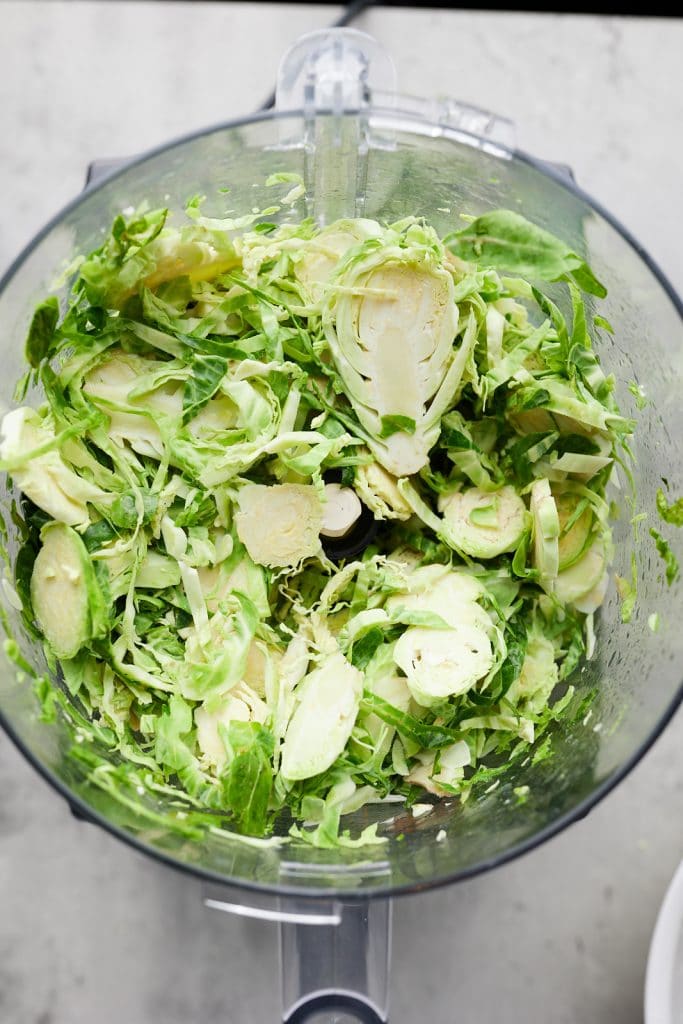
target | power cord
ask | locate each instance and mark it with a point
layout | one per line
(350, 12)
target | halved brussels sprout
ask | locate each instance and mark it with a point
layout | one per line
(391, 325)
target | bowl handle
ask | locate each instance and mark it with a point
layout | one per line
(334, 954)
(342, 967)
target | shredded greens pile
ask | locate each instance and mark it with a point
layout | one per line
(210, 393)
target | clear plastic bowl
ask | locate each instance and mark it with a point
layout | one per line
(387, 163)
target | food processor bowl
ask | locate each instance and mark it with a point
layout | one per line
(363, 150)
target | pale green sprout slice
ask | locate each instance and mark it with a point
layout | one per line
(328, 700)
(482, 535)
(259, 710)
(514, 723)
(110, 384)
(320, 255)
(538, 676)
(554, 423)
(575, 532)
(445, 592)
(592, 600)
(279, 525)
(45, 478)
(425, 579)
(382, 679)
(379, 491)
(577, 464)
(261, 658)
(123, 383)
(208, 717)
(174, 254)
(65, 595)
(157, 571)
(584, 581)
(484, 524)
(495, 326)
(365, 620)
(441, 663)
(452, 761)
(546, 532)
(513, 363)
(218, 582)
(569, 412)
(291, 670)
(217, 650)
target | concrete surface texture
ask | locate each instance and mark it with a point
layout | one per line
(93, 932)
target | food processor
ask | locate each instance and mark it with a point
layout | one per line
(362, 149)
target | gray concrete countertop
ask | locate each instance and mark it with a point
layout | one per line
(90, 931)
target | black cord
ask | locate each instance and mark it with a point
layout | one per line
(350, 12)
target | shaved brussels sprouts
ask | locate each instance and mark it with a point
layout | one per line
(311, 517)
